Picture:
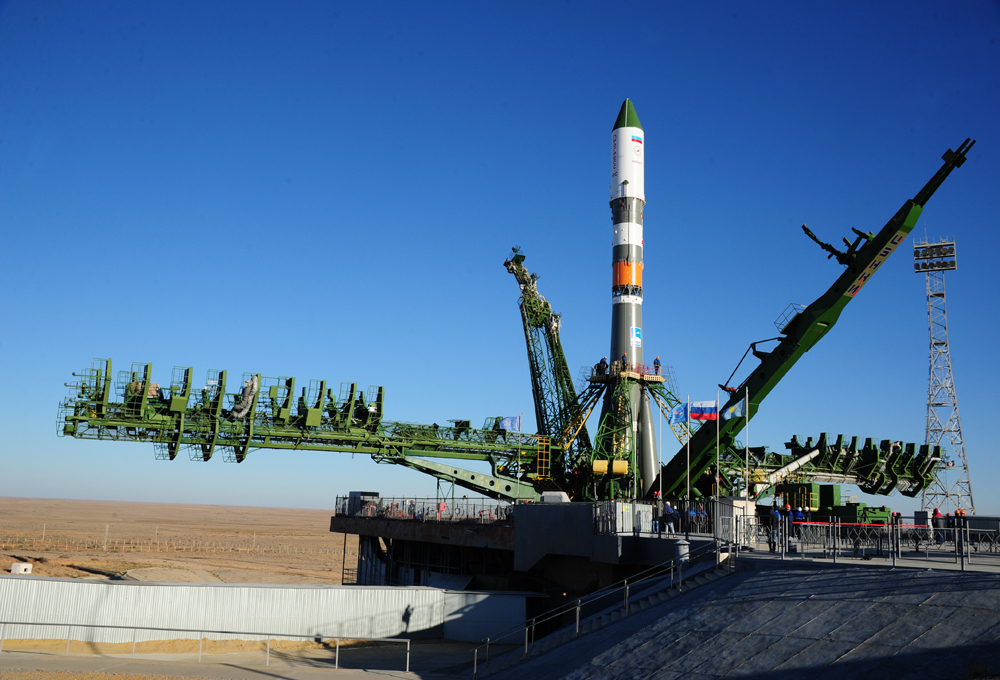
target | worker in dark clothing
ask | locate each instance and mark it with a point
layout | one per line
(668, 519)
(625, 361)
(656, 366)
(937, 521)
(787, 517)
(800, 517)
(772, 535)
(602, 366)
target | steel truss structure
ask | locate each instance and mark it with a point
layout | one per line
(269, 414)
(944, 424)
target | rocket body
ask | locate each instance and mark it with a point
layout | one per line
(627, 407)
(628, 200)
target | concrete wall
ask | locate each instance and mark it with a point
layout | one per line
(325, 611)
(552, 529)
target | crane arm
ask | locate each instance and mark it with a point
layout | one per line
(807, 328)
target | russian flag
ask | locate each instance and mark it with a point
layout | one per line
(637, 138)
(704, 410)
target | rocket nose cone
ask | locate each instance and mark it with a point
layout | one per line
(627, 117)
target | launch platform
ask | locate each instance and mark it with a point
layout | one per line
(560, 550)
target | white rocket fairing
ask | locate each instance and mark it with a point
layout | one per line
(628, 176)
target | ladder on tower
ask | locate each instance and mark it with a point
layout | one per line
(544, 460)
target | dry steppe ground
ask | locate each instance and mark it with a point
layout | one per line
(62, 675)
(172, 543)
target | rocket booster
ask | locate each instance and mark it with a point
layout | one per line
(628, 199)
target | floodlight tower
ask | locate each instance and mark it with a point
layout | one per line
(943, 420)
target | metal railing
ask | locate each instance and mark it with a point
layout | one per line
(477, 510)
(836, 539)
(201, 637)
(650, 518)
(596, 602)
(618, 367)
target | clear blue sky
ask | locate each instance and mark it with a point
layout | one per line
(329, 190)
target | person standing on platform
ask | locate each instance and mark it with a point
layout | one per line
(772, 534)
(668, 519)
(656, 366)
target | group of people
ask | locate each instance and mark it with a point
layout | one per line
(943, 523)
(669, 521)
(601, 367)
(785, 522)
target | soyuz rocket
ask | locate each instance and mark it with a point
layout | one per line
(627, 201)
(628, 198)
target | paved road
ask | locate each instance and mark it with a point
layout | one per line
(428, 660)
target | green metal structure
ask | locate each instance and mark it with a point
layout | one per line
(561, 414)
(557, 405)
(268, 413)
(799, 333)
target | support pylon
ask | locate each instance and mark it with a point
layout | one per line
(944, 424)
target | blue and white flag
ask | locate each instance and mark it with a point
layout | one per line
(678, 414)
(511, 423)
(737, 410)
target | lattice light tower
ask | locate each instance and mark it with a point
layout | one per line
(943, 422)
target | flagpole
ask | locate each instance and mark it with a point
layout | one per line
(659, 456)
(687, 498)
(635, 455)
(746, 406)
(519, 415)
(718, 473)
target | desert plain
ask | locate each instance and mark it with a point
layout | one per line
(173, 543)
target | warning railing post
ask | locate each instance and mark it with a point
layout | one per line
(893, 543)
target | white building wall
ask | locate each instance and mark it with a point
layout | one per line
(325, 611)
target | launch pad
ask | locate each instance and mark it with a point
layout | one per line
(620, 465)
